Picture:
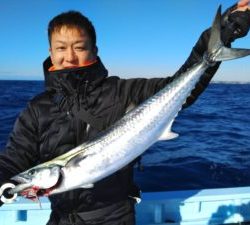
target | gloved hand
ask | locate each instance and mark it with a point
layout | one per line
(235, 24)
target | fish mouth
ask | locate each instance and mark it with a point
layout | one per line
(21, 179)
(23, 184)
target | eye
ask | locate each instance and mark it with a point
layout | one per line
(60, 48)
(31, 172)
(80, 48)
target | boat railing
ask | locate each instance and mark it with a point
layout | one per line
(187, 207)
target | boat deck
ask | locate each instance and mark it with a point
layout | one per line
(191, 207)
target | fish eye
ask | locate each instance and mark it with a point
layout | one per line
(31, 172)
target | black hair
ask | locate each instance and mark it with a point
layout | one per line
(72, 19)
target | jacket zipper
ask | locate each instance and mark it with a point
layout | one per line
(80, 102)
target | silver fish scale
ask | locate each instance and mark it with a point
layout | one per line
(140, 128)
(129, 137)
(159, 109)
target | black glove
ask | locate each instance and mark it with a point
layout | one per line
(234, 25)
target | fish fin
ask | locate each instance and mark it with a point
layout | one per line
(87, 186)
(77, 159)
(231, 53)
(168, 134)
(215, 37)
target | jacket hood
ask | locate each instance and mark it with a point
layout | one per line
(71, 78)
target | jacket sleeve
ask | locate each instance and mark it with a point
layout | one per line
(196, 55)
(21, 151)
(140, 89)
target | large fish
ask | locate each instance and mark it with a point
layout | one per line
(126, 139)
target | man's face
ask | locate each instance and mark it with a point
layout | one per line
(71, 47)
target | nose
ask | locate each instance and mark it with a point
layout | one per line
(70, 55)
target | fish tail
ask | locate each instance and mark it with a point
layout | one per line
(216, 50)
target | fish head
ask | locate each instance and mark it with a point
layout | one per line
(37, 181)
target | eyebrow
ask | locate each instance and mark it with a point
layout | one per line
(77, 42)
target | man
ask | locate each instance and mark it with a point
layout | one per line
(80, 101)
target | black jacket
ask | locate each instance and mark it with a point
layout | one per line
(77, 104)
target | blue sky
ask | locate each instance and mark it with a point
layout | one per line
(136, 38)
